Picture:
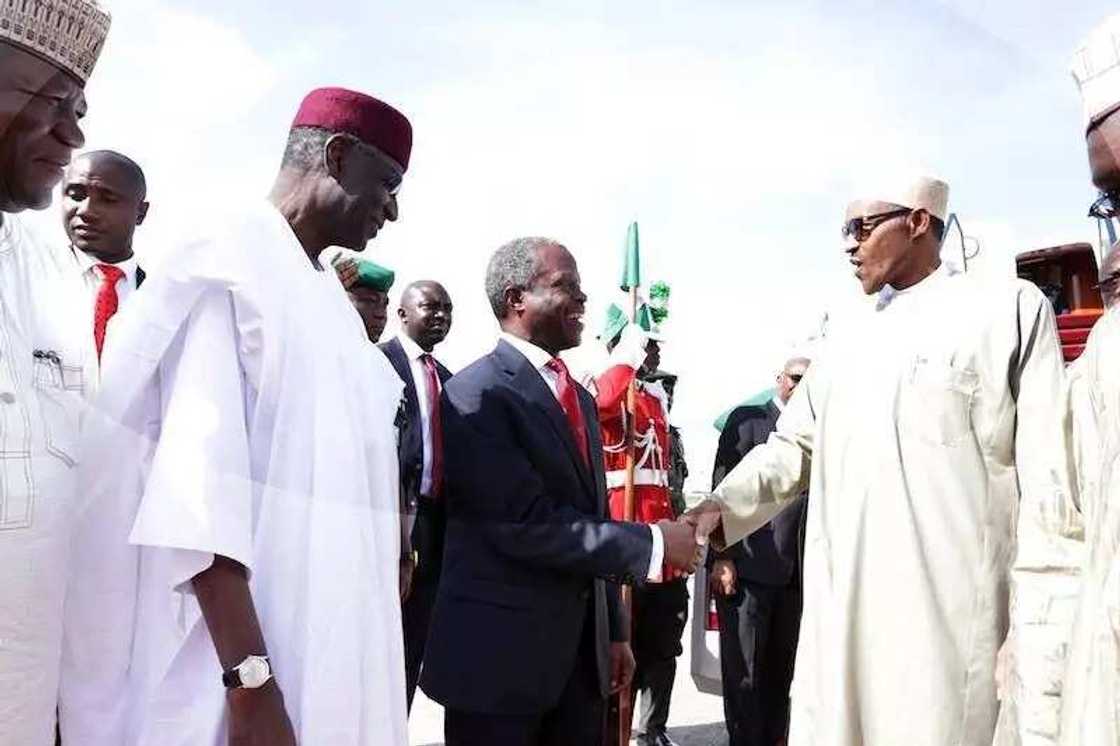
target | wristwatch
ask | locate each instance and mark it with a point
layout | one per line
(251, 673)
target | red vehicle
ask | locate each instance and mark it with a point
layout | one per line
(1068, 276)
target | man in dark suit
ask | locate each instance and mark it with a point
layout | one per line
(757, 585)
(425, 316)
(528, 636)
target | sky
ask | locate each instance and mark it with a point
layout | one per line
(734, 132)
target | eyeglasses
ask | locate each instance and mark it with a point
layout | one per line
(795, 378)
(1108, 284)
(1104, 207)
(858, 229)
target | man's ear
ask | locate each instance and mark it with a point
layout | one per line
(515, 299)
(142, 213)
(919, 222)
(335, 151)
(401, 313)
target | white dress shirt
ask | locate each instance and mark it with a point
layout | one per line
(420, 378)
(540, 359)
(92, 277)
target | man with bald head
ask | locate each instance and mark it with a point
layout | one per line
(239, 556)
(930, 434)
(425, 317)
(757, 587)
(47, 51)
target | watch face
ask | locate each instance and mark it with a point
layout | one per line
(254, 672)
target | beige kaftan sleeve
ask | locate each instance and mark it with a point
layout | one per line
(772, 475)
(1044, 450)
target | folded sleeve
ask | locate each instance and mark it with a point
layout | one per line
(197, 500)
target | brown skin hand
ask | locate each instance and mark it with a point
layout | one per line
(900, 252)
(257, 716)
(343, 202)
(40, 107)
(549, 312)
(102, 204)
(425, 313)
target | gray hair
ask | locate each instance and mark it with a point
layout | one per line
(304, 150)
(513, 265)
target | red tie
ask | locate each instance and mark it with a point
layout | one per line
(434, 424)
(106, 304)
(569, 402)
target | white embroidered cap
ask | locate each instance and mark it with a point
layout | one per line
(67, 33)
(1096, 69)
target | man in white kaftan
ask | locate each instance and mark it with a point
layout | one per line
(43, 70)
(1091, 695)
(245, 419)
(914, 487)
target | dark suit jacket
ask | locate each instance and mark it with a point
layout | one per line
(427, 532)
(771, 555)
(530, 552)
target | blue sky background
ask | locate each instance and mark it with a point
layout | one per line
(734, 132)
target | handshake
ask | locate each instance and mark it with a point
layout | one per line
(686, 537)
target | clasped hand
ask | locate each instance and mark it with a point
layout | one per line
(686, 537)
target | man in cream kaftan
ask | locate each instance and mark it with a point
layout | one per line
(265, 423)
(1091, 697)
(929, 422)
(913, 493)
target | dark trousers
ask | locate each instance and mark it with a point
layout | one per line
(659, 616)
(577, 719)
(757, 645)
(416, 617)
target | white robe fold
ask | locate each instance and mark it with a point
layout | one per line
(1091, 694)
(930, 422)
(242, 413)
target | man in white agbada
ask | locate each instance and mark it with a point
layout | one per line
(43, 70)
(235, 577)
(1091, 694)
(914, 485)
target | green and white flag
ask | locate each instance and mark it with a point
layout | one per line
(631, 261)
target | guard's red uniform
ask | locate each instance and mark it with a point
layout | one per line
(651, 473)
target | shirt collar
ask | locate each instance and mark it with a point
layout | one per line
(87, 263)
(412, 350)
(890, 294)
(777, 400)
(537, 357)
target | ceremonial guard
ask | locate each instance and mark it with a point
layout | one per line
(660, 609)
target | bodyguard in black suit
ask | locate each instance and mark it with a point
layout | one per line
(425, 316)
(757, 586)
(528, 636)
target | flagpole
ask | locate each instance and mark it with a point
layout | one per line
(625, 706)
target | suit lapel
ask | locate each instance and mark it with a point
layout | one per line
(528, 381)
(395, 352)
(140, 275)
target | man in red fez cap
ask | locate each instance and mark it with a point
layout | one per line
(258, 599)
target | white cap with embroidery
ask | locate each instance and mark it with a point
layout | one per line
(67, 33)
